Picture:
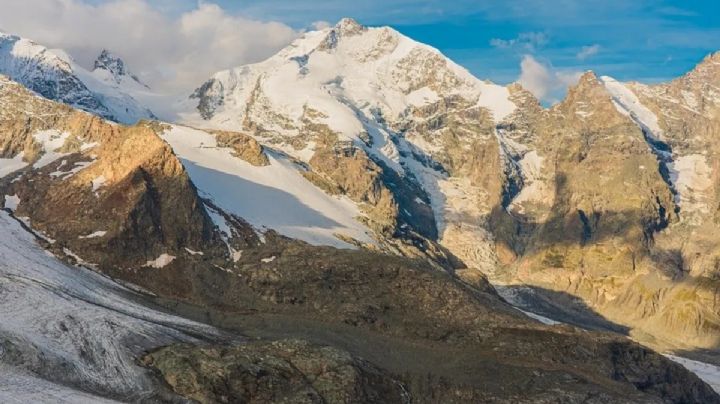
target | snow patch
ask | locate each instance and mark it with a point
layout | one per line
(710, 374)
(692, 177)
(627, 103)
(50, 141)
(160, 262)
(268, 260)
(275, 196)
(235, 254)
(77, 258)
(97, 234)
(98, 182)
(8, 166)
(219, 221)
(534, 189)
(191, 252)
(88, 146)
(79, 166)
(496, 99)
(11, 202)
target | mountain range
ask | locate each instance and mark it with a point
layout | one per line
(356, 219)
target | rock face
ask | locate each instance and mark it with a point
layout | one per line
(115, 194)
(244, 147)
(629, 209)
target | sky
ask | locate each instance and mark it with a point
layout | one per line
(545, 44)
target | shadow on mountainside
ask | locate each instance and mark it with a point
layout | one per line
(258, 203)
(558, 306)
(610, 260)
(568, 230)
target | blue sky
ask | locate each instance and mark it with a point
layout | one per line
(176, 44)
(646, 40)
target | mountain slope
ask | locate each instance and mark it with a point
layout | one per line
(67, 326)
(275, 196)
(56, 76)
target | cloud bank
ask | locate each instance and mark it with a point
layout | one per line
(170, 53)
(543, 81)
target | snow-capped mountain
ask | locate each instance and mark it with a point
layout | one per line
(357, 183)
(111, 69)
(445, 162)
(107, 91)
(351, 92)
(347, 72)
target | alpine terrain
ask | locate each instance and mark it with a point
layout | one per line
(355, 219)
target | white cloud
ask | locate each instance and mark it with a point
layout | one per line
(169, 53)
(588, 51)
(543, 81)
(529, 41)
(320, 25)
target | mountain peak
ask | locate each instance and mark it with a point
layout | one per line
(115, 66)
(588, 83)
(108, 61)
(349, 26)
(588, 78)
(713, 57)
(344, 28)
(710, 63)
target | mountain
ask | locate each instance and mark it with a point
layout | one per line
(375, 116)
(111, 69)
(631, 221)
(607, 199)
(84, 197)
(107, 91)
(358, 218)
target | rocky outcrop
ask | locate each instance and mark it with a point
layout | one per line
(115, 68)
(282, 371)
(244, 147)
(210, 96)
(298, 371)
